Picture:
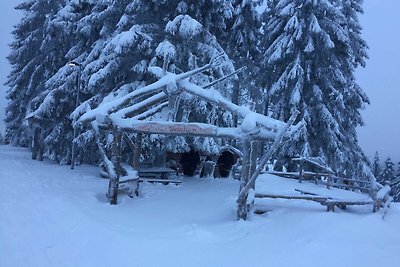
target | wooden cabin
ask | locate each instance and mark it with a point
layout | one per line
(195, 162)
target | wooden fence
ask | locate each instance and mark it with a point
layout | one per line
(327, 180)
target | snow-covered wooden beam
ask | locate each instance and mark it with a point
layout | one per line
(151, 111)
(107, 107)
(164, 81)
(223, 78)
(139, 107)
(215, 97)
(187, 129)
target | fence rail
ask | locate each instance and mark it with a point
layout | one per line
(327, 179)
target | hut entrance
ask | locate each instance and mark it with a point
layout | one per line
(225, 163)
(190, 161)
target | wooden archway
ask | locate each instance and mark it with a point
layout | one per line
(120, 115)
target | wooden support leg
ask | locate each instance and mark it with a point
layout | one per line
(301, 175)
(41, 145)
(242, 201)
(329, 181)
(253, 161)
(36, 143)
(137, 151)
(116, 160)
(134, 188)
(330, 207)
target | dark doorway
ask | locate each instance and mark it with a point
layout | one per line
(225, 163)
(189, 161)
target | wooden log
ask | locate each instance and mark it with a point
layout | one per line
(301, 175)
(242, 202)
(151, 112)
(253, 161)
(138, 108)
(116, 160)
(36, 143)
(319, 199)
(137, 151)
(224, 78)
(329, 181)
(305, 192)
(386, 205)
(156, 87)
(265, 122)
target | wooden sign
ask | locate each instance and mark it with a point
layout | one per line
(176, 129)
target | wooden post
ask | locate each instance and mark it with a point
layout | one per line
(329, 181)
(235, 100)
(41, 144)
(116, 160)
(37, 146)
(242, 203)
(35, 141)
(137, 151)
(253, 161)
(301, 175)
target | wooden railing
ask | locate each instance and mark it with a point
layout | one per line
(329, 180)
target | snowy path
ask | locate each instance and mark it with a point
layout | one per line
(52, 216)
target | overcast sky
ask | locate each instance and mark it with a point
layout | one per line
(380, 79)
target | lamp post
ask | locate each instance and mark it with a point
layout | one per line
(78, 80)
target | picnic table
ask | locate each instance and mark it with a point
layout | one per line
(156, 172)
(152, 175)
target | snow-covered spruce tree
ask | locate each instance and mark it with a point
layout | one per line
(309, 63)
(188, 40)
(396, 185)
(102, 51)
(351, 9)
(242, 41)
(376, 166)
(37, 52)
(116, 42)
(388, 172)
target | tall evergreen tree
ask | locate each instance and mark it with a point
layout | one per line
(376, 166)
(242, 42)
(37, 52)
(115, 42)
(309, 63)
(396, 185)
(388, 172)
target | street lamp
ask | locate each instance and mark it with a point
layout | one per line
(78, 80)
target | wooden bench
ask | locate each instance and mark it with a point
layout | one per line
(156, 172)
(133, 183)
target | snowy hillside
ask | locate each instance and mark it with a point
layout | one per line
(52, 216)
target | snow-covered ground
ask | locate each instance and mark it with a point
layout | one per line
(53, 216)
